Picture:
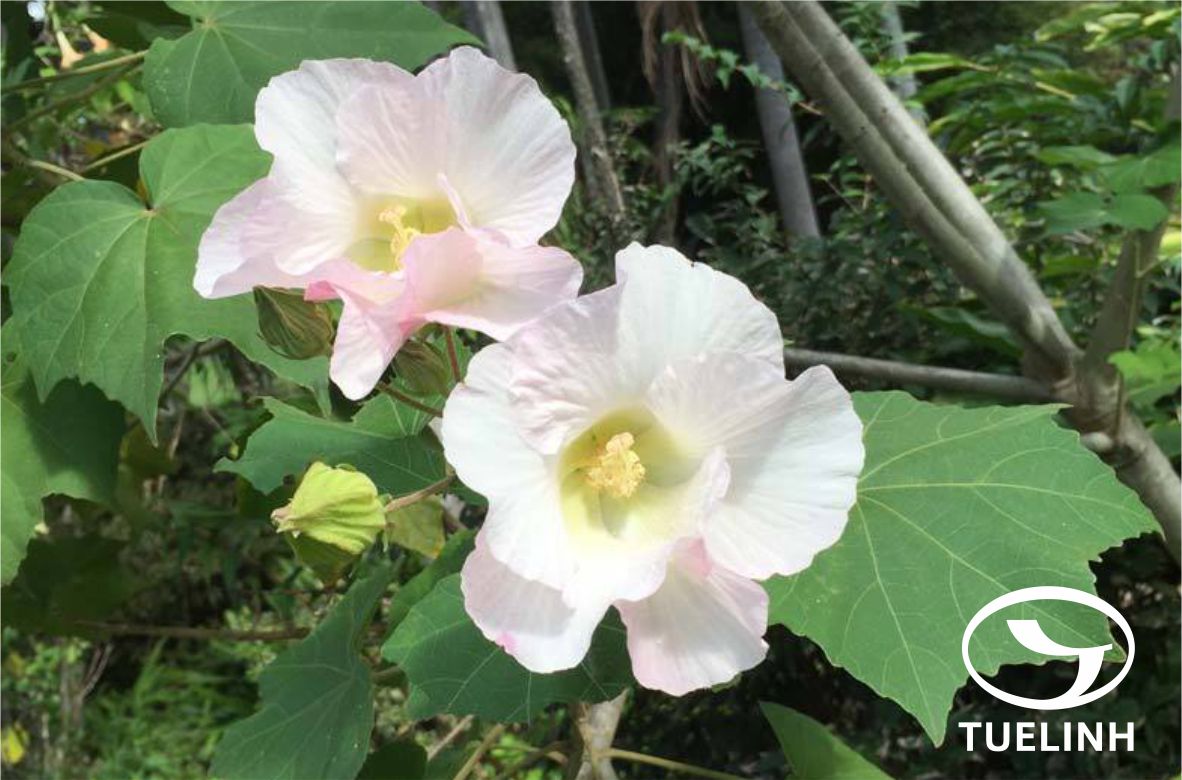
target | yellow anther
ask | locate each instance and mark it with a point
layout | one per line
(403, 234)
(615, 468)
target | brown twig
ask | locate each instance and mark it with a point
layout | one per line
(450, 737)
(489, 738)
(190, 632)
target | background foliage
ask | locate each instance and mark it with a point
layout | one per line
(148, 433)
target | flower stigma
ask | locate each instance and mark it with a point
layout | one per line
(616, 468)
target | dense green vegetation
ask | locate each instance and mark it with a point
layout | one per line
(154, 598)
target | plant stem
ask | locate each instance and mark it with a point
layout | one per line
(65, 173)
(492, 736)
(77, 97)
(450, 737)
(69, 74)
(452, 358)
(665, 763)
(413, 498)
(119, 155)
(188, 632)
(402, 397)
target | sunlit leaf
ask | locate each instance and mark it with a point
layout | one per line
(316, 710)
(100, 280)
(213, 73)
(813, 751)
(955, 508)
(453, 668)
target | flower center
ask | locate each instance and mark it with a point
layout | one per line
(616, 468)
(395, 217)
(386, 228)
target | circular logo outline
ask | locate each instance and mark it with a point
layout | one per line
(1048, 593)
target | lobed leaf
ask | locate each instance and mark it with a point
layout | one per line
(382, 440)
(213, 73)
(955, 508)
(317, 701)
(453, 668)
(99, 280)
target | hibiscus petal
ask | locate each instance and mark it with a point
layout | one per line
(673, 309)
(794, 450)
(565, 372)
(526, 618)
(523, 527)
(470, 280)
(633, 565)
(373, 326)
(584, 359)
(509, 153)
(393, 140)
(224, 266)
(295, 120)
(701, 628)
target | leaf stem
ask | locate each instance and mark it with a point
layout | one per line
(119, 155)
(403, 398)
(453, 359)
(665, 763)
(65, 173)
(489, 738)
(412, 498)
(69, 74)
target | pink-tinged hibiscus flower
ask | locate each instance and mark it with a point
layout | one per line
(412, 198)
(641, 449)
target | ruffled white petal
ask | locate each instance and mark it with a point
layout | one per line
(701, 628)
(566, 374)
(374, 324)
(473, 280)
(393, 139)
(295, 120)
(224, 266)
(524, 527)
(673, 309)
(794, 451)
(509, 153)
(526, 618)
(600, 353)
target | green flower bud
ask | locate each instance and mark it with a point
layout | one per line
(339, 507)
(423, 369)
(291, 326)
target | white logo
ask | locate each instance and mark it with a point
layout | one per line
(1030, 634)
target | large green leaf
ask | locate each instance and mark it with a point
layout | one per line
(99, 281)
(453, 668)
(213, 73)
(450, 560)
(812, 750)
(955, 508)
(1134, 174)
(317, 701)
(381, 440)
(68, 445)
